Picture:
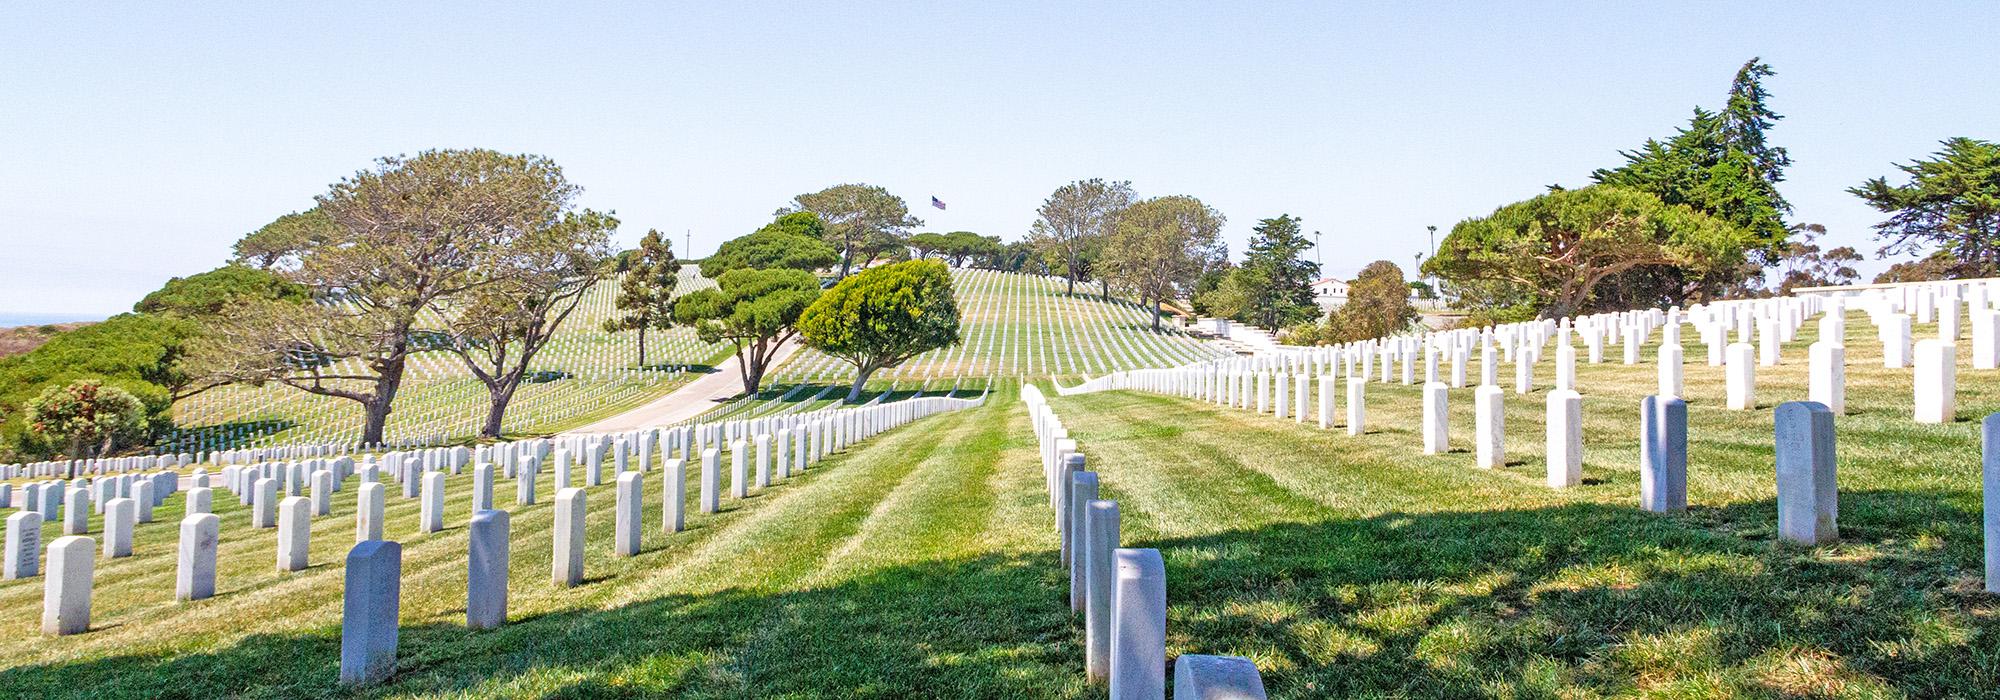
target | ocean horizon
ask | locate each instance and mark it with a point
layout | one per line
(9, 319)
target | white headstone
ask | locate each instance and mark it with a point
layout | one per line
(72, 562)
(1565, 438)
(486, 568)
(1741, 375)
(1936, 380)
(24, 545)
(1139, 623)
(120, 516)
(1490, 427)
(370, 607)
(673, 513)
(567, 562)
(430, 515)
(368, 511)
(1827, 375)
(626, 530)
(194, 578)
(1807, 492)
(295, 533)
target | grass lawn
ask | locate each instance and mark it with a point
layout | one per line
(919, 561)
(1357, 567)
(921, 564)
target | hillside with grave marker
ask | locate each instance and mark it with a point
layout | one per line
(1013, 325)
(1746, 498)
(584, 372)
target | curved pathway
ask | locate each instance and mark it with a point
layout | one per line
(706, 392)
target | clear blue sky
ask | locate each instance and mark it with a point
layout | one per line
(139, 141)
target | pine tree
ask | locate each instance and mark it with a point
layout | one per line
(1285, 294)
(646, 295)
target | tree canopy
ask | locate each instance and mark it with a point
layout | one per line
(646, 294)
(499, 325)
(404, 234)
(1721, 164)
(1378, 305)
(1805, 263)
(1950, 205)
(1161, 246)
(136, 352)
(280, 242)
(1550, 252)
(1072, 224)
(881, 317)
(755, 310)
(86, 418)
(1233, 295)
(208, 293)
(793, 242)
(1283, 293)
(861, 220)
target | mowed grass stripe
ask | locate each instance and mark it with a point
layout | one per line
(933, 592)
(677, 617)
(1464, 582)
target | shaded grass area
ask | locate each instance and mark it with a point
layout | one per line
(919, 561)
(1358, 567)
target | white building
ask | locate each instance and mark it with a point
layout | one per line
(1329, 293)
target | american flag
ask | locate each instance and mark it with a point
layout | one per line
(939, 203)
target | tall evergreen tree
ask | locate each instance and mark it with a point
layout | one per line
(1949, 211)
(1721, 164)
(1285, 294)
(646, 295)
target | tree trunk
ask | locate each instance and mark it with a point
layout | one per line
(642, 345)
(388, 380)
(753, 377)
(1072, 283)
(1156, 314)
(860, 380)
(377, 416)
(75, 453)
(496, 411)
(1107, 289)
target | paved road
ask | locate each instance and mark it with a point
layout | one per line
(704, 393)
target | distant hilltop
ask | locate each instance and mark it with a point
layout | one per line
(22, 338)
(15, 319)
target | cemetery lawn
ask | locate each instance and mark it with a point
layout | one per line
(1357, 567)
(918, 561)
(922, 563)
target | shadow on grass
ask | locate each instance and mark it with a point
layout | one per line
(1579, 599)
(226, 436)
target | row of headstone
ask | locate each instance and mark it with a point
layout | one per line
(1742, 335)
(1803, 451)
(373, 574)
(1121, 592)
